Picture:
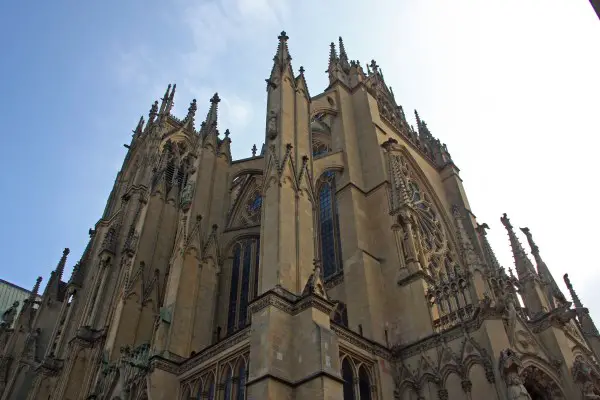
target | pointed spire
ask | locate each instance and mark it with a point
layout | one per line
(466, 246)
(542, 268)
(140, 127)
(212, 116)
(190, 117)
(171, 102)
(165, 99)
(418, 119)
(333, 57)
(282, 57)
(34, 292)
(60, 268)
(153, 113)
(343, 55)
(574, 296)
(523, 265)
(488, 252)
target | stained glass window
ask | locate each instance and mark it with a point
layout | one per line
(233, 294)
(241, 393)
(228, 385)
(244, 293)
(244, 282)
(364, 384)
(329, 230)
(348, 378)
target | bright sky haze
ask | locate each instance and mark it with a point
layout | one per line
(512, 87)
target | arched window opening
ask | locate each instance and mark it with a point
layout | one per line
(320, 148)
(208, 391)
(244, 282)
(228, 385)
(348, 377)
(340, 314)
(329, 228)
(364, 384)
(233, 294)
(242, 373)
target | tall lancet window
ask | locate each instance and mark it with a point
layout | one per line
(328, 226)
(244, 282)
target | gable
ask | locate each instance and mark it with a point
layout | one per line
(246, 201)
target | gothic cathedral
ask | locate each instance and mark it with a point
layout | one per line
(341, 261)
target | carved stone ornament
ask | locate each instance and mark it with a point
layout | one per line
(510, 366)
(272, 125)
(9, 315)
(186, 196)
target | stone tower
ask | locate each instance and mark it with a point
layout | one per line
(342, 261)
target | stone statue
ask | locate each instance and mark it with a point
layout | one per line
(9, 315)
(588, 391)
(272, 125)
(186, 196)
(510, 366)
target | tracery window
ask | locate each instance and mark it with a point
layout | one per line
(206, 388)
(319, 148)
(246, 200)
(244, 282)
(329, 227)
(340, 314)
(358, 382)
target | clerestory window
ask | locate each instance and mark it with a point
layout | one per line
(244, 282)
(329, 228)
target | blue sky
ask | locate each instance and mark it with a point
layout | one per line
(512, 87)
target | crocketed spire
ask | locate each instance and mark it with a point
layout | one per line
(488, 252)
(542, 268)
(523, 265)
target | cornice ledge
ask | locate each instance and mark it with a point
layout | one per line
(361, 342)
(215, 349)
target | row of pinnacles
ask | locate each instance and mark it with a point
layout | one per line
(117, 324)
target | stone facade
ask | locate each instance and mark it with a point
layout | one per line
(342, 261)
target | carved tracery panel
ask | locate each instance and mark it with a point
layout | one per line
(408, 195)
(246, 200)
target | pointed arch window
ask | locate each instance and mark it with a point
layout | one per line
(328, 226)
(228, 385)
(358, 381)
(348, 377)
(244, 282)
(242, 374)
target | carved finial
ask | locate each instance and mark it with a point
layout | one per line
(227, 133)
(374, 67)
(192, 109)
(212, 116)
(543, 271)
(61, 264)
(254, 150)
(140, 126)
(523, 265)
(343, 54)
(282, 57)
(574, 296)
(171, 99)
(301, 70)
(35, 290)
(153, 112)
(164, 100)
